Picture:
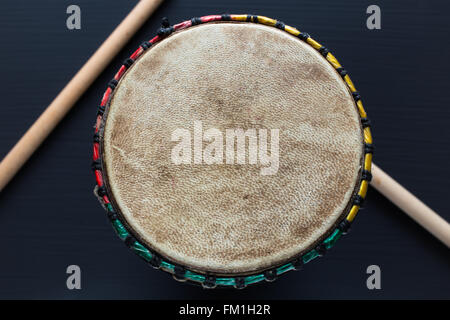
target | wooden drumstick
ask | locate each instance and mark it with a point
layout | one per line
(412, 206)
(65, 100)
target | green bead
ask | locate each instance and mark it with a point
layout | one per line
(194, 276)
(287, 267)
(120, 229)
(310, 256)
(142, 251)
(254, 279)
(225, 281)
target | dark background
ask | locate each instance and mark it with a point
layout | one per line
(49, 218)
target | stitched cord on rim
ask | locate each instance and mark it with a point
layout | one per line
(209, 281)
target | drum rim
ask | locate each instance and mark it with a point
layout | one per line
(183, 273)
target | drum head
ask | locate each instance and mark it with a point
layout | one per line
(228, 217)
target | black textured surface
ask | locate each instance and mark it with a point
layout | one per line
(50, 218)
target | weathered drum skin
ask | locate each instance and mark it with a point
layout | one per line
(228, 219)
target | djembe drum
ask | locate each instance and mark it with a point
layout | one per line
(230, 149)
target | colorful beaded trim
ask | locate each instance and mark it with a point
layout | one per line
(210, 281)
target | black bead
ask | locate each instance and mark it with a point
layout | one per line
(365, 122)
(96, 165)
(342, 71)
(113, 84)
(165, 22)
(145, 45)
(323, 51)
(128, 62)
(101, 191)
(239, 283)
(358, 200)
(344, 226)
(100, 110)
(366, 175)
(303, 35)
(270, 275)
(298, 263)
(155, 261)
(280, 25)
(112, 215)
(162, 32)
(368, 148)
(321, 249)
(226, 17)
(179, 273)
(209, 283)
(129, 241)
(196, 21)
(356, 95)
